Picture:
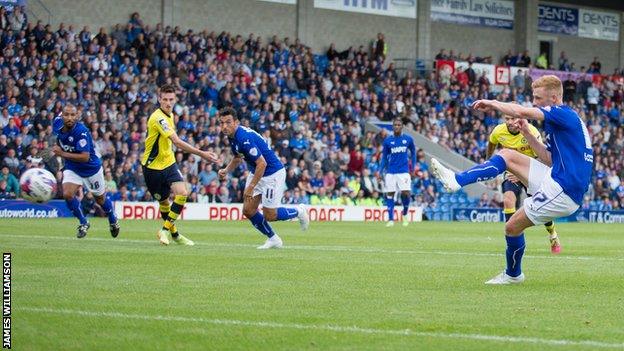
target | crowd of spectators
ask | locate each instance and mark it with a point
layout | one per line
(312, 108)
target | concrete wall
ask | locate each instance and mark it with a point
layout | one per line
(480, 41)
(581, 51)
(96, 13)
(353, 29)
(237, 16)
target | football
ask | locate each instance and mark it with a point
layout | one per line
(37, 185)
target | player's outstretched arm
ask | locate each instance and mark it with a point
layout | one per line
(536, 145)
(508, 108)
(186, 147)
(76, 157)
(490, 149)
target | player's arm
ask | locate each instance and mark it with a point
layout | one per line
(186, 147)
(384, 158)
(412, 149)
(534, 142)
(490, 149)
(234, 162)
(75, 157)
(261, 165)
(492, 143)
(508, 108)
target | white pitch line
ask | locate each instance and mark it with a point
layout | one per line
(332, 328)
(330, 248)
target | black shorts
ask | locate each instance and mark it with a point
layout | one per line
(516, 188)
(159, 181)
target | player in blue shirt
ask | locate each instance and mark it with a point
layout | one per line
(558, 179)
(82, 168)
(265, 182)
(398, 165)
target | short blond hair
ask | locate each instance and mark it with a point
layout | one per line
(550, 83)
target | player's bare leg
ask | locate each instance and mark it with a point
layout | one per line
(390, 205)
(405, 200)
(258, 220)
(106, 205)
(69, 194)
(514, 235)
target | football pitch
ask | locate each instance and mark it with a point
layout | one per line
(338, 286)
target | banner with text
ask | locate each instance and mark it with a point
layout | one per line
(289, 2)
(395, 8)
(25, 209)
(478, 215)
(487, 13)
(558, 19)
(229, 212)
(563, 75)
(599, 25)
(581, 22)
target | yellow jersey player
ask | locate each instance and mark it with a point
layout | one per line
(508, 136)
(162, 175)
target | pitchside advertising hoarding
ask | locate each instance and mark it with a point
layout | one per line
(486, 13)
(234, 212)
(582, 22)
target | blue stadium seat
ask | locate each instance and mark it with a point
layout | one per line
(437, 216)
(446, 216)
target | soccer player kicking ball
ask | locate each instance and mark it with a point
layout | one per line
(161, 172)
(510, 136)
(82, 168)
(397, 178)
(558, 178)
(265, 182)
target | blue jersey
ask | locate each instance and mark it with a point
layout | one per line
(75, 141)
(394, 156)
(571, 151)
(251, 145)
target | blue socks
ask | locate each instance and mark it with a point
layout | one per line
(515, 250)
(284, 214)
(390, 205)
(485, 171)
(74, 207)
(108, 209)
(405, 199)
(261, 224)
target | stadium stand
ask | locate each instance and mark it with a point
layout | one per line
(312, 108)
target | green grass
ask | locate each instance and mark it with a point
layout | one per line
(355, 286)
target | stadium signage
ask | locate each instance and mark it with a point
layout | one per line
(599, 25)
(478, 215)
(394, 8)
(579, 22)
(234, 212)
(486, 13)
(604, 216)
(289, 2)
(25, 209)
